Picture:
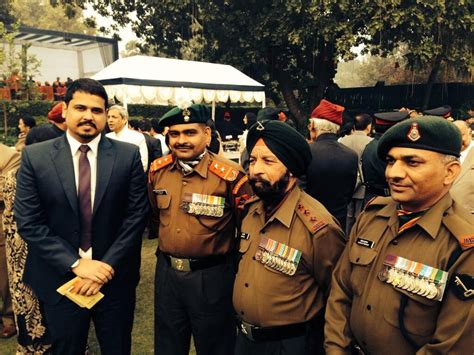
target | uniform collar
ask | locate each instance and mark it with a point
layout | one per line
(285, 212)
(201, 169)
(430, 221)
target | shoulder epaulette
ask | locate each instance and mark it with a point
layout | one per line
(223, 170)
(378, 201)
(460, 228)
(160, 163)
(309, 219)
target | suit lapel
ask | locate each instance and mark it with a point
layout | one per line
(105, 164)
(62, 160)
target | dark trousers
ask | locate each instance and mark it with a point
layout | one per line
(113, 320)
(198, 303)
(309, 343)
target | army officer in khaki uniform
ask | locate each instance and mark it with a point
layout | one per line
(289, 244)
(404, 283)
(196, 196)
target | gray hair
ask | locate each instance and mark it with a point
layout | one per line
(325, 126)
(447, 158)
(121, 110)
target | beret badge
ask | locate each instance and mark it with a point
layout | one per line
(186, 115)
(414, 134)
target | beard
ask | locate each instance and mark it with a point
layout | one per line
(271, 195)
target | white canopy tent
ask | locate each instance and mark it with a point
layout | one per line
(164, 81)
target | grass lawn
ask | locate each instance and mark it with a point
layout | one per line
(142, 336)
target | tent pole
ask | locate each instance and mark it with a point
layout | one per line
(213, 115)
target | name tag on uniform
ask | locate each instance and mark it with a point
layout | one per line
(160, 192)
(245, 236)
(365, 243)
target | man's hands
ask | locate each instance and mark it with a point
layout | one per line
(86, 287)
(94, 270)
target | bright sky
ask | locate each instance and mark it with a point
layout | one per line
(125, 33)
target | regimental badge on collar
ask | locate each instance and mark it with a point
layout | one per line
(414, 277)
(186, 115)
(414, 134)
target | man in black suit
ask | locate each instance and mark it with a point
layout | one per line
(81, 206)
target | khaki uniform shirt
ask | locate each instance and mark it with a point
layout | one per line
(186, 235)
(364, 309)
(266, 297)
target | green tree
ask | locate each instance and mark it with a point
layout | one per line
(51, 15)
(293, 46)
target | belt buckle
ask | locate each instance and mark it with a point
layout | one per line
(246, 329)
(180, 264)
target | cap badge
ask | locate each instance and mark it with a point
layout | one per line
(186, 114)
(414, 134)
(260, 126)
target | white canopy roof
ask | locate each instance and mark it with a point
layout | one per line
(164, 81)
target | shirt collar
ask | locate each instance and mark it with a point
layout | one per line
(284, 213)
(430, 221)
(75, 144)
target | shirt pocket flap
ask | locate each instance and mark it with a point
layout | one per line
(163, 201)
(361, 256)
(244, 245)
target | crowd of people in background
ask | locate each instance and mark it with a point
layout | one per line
(353, 233)
(15, 88)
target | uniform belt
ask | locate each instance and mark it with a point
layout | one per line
(184, 264)
(259, 334)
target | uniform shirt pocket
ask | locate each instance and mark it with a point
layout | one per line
(419, 316)
(244, 245)
(163, 202)
(361, 258)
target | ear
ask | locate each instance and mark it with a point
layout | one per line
(452, 170)
(64, 110)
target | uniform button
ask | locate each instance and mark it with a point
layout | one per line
(395, 242)
(185, 183)
(178, 230)
(246, 285)
(369, 307)
(253, 258)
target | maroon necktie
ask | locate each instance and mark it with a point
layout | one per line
(85, 204)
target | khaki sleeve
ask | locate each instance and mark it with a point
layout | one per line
(455, 323)
(337, 332)
(327, 249)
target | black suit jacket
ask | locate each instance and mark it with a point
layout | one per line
(332, 175)
(154, 149)
(47, 214)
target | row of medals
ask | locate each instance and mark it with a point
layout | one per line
(277, 263)
(207, 210)
(398, 278)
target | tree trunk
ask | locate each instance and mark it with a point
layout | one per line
(284, 82)
(430, 82)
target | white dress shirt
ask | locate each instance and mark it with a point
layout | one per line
(92, 156)
(130, 136)
(165, 150)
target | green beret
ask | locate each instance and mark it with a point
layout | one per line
(285, 142)
(424, 132)
(192, 114)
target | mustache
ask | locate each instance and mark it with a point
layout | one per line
(88, 122)
(180, 146)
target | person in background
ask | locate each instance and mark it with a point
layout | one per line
(159, 132)
(117, 120)
(24, 125)
(9, 161)
(357, 141)
(55, 128)
(332, 174)
(289, 244)
(403, 284)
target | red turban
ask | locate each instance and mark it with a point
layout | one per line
(56, 113)
(328, 111)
